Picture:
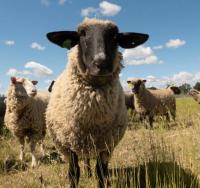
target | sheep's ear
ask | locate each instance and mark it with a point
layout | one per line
(131, 40)
(64, 39)
(13, 80)
(34, 82)
(144, 81)
(128, 82)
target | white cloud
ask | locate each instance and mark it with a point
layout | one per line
(158, 47)
(15, 72)
(140, 55)
(37, 46)
(105, 8)
(9, 42)
(48, 2)
(35, 69)
(38, 69)
(109, 9)
(176, 79)
(175, 43)
(89, 11)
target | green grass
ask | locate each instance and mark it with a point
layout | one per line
(167, 156)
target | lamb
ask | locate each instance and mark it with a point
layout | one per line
(152, 103)
(86, 114)
(195, 94)
(25, 114)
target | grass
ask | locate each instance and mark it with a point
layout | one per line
(167, 156)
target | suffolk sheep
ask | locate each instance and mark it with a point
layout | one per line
(25, 114)
(150, 103)
(195, 94)
(86, 115)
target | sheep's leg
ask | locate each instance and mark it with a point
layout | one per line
(87, 167)
(74, 170)
(151, 121)
(102, 169)
(33, 154)
(42, 147)
(174, 116)
(167, 117)
(21, 155)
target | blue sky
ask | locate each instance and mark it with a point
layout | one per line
(171, 55)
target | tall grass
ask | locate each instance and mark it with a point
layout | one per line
(165, 157)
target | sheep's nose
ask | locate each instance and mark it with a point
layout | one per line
(99, 60)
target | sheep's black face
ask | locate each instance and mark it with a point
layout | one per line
(136, 85)
(98, 48)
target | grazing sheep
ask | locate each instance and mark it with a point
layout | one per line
(154, 102)
(25, 114)
(195, 94)
(86, 115)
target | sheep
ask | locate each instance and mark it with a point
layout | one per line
(25, 114)
(195, 94)
(153, 102)
(86, 114)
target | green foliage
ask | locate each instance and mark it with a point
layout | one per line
(197, 86)
(185, 88)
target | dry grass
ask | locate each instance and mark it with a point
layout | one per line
(166, 156)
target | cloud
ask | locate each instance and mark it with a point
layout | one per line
(176, 79)
(47, 2)
(15, 72)
(9, 42)
(105, 8)
(35, 69)
(158, 47)
(175, 43)
(37, 46)
(89, 11)
(140, 55)
(38, 69)
(109, 9)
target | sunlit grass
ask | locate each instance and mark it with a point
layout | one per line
(167, 156)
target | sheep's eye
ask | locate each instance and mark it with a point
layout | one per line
(82, 32)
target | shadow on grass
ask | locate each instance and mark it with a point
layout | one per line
(154, 175)
(12, 165)
(51, 158)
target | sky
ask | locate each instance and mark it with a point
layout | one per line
(170, 56)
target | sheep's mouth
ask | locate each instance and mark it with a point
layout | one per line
(33, 94)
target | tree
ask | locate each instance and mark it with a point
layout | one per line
(197, 86)
(185, 88)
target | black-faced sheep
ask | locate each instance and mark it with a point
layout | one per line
(150, 103)
(195, 95)
(86, 115)
(25, 114)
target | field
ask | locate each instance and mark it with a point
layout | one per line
(163, 157)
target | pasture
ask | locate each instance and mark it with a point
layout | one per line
(166, 156)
